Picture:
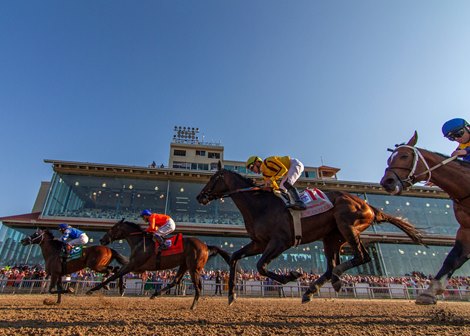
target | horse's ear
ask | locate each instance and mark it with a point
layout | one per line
(414, 139)
(219, 165)
(122, 220)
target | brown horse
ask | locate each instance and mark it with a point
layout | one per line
(270, 227)
(97, 258)
(143, 257)
(408, 165)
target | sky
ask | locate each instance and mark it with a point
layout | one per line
(328, 82)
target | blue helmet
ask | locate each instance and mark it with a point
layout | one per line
(453, 125)
(63, 226)
(145, 213)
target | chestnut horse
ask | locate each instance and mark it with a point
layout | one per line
(408, 165)
(270, 226)
(143, 257)
(97, 258)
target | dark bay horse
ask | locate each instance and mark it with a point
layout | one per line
(408, 165)
(143, 257)
(270, 226)
(97, 258)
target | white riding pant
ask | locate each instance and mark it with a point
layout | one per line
(166, 228)
(81, 240)
(293, 174)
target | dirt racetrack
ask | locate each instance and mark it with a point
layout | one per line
(102, 315)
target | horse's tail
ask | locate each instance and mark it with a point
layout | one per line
(214, 250)
(119, 257)
(414, 233)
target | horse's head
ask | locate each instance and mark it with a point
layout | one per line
(36, 238)
(402, 167)
(120, 230)
(222, 184)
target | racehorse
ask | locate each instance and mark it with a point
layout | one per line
(143, 257)
(408, 165)
(270, 226)
(97, 258)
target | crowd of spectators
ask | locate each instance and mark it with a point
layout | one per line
(14, 275)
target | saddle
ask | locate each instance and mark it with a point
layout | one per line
(174, 245)
(315, 200)
(75, 252)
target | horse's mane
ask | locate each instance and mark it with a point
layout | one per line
(134, 225)
(463, 163)
(247, 180)
(57, 244)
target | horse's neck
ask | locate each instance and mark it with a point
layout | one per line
(452, 177)
(135, 239)
(48, 249)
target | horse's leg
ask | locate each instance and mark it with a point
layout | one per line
(122, 271)
(454, 260)
(196, 278)
(274, 248)
(250, 249)
(331, 245)
(347, 223)
(176, 280)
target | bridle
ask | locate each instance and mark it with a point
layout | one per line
(32, 240)
(417, 156)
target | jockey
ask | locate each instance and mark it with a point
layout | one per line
(458, 130)
(275, 167)
(160, 225)
(76, 236)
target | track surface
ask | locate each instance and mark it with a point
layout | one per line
(102, 315)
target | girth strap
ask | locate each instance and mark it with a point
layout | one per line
(297, 227)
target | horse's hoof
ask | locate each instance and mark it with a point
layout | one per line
(152, 297)
(306, 298)
(70, 290)
(426, 299)
(89, 292)
(106, 287)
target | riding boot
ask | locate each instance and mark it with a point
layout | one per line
(161, 242)
(294, 195)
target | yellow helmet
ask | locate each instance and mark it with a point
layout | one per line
(251, 161)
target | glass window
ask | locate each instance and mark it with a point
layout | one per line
(212, 155)
(179, 152)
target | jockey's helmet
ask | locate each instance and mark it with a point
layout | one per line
(251, 161)
(145, 213)
(453, 125)
(63, 226)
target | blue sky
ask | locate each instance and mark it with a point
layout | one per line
(327, 82)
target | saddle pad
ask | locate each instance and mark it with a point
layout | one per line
(316, 201)
(75, 253)
(175, 245)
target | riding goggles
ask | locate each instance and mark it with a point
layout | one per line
(456, 134)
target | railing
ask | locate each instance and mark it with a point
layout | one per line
(136, 287)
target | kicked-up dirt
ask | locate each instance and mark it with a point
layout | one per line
(103, 315)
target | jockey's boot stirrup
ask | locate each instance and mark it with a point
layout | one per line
(294, 195)
(161, 242)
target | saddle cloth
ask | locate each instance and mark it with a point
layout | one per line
(174, 244)
(316, 201)
(75, 253)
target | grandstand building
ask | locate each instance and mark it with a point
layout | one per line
(94, 196)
